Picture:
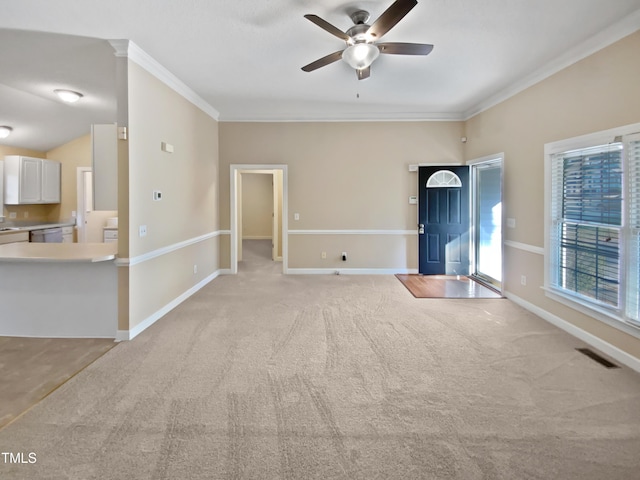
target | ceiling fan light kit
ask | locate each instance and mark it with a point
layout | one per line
(360, 55)
(362, 49)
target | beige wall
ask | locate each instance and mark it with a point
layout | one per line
(72, 155)
(188, 179)
(343, 176)
(257, 205)
(597, 93)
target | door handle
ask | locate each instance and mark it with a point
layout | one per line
(421, 228)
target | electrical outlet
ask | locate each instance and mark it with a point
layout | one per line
(12, 214)
(195, 269)
(296, 216)
(323, 255)
(26, 214)
(523, 280)
(344, 256)
(142, 231)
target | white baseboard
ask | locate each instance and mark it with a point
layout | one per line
(596, 342)
(349, 271)
(122, 335)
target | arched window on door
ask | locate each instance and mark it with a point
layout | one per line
(444, 179)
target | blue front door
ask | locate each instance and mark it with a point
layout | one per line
(443, 213)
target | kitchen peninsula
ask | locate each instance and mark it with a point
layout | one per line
(58, 290)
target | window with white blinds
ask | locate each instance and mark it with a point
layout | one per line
(594, 231)
(632, 309)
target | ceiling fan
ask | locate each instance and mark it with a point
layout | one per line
(362, 48)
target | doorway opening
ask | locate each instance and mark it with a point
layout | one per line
(259, 211)
(90, 223)
(487, 213)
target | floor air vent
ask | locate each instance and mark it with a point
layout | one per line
(594, 356)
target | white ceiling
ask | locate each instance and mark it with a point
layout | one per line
(245, 57)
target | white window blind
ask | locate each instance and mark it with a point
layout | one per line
(594, 248)
(587, 222)
(632, 147)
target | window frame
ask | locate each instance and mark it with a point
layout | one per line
(607, 314)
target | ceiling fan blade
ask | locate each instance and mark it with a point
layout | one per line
(363, 73)
(390, 17)
(405, 48)
(321, 62)
(328, 27)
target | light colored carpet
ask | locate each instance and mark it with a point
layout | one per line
(264, 376)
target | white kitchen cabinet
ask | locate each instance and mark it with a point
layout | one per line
(67, 234)
(31, 180)
(110, 235)
(50, 181)
(13, 237)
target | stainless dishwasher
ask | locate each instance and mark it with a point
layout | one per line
(47, 235)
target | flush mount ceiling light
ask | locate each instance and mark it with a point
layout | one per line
(68, 96)
(5, 131)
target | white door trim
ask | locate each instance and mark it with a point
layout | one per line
(233, 179)
(474, 164)
(81, 208)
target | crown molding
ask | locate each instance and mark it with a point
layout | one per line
(612, 34)
(349, 117)
(616, 32)
(126, 48)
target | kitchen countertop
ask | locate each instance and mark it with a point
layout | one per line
(27, 227)
(58, 252)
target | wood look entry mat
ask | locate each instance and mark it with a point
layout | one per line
(445, 286)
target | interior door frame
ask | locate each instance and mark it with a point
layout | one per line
(235, 175)
(496, 158)
(81, 207)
